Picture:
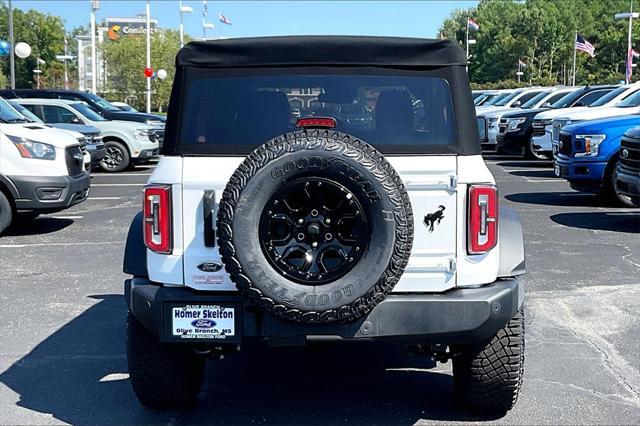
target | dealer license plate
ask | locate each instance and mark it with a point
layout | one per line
(203, 322)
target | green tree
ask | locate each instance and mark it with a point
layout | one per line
(44, 33)
(541, 33)
(126, 60)
(4, 81)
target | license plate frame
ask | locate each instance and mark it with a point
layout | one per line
(222, 323)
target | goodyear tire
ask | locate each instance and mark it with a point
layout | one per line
(162, 375)
(487, 377)
(315, 226)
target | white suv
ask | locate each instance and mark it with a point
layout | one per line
(126, 142)
(41, 169)
(259, 225)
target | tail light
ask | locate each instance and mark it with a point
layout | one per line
(483, 219)
(157, 218)
(317, 122)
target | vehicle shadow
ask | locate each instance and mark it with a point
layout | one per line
(78, 375)
(345, 384)
(546, 164)
(567, 199)
(603, 221)
(493, 156)
(38, 226)
(533, 173)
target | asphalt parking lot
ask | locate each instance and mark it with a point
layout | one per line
(62, 326)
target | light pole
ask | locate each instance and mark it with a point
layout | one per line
(205, 25)
(12, 63)
(38, 71)
(183, 9)
(95, 5)
(148, 56)
(630, 16)
(64, 58)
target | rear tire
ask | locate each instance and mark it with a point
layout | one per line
(487, 377)
(116, 159)
(6, 212)
(163, 375)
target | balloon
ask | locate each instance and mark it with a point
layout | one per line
(148, 72)
(162, 74)
(5, 48)
(23, 50)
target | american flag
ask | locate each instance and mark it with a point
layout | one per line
(205, 11)
(583, 45)
(224, 19)
(473, 24)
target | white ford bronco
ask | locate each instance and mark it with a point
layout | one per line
(275, 216)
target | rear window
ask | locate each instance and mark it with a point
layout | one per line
(392, 112)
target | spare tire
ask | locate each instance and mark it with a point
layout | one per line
(315, 226)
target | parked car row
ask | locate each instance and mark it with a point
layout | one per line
(51, 139)
(581, 128)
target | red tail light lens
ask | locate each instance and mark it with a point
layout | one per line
(483, 219)
(317, 122)
(157, 218)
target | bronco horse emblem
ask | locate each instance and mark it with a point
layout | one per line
(434, 218)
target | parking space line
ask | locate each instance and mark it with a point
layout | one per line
(118, 184)
(120, 174)
(67, 217)
(104, 198)
(59, 244)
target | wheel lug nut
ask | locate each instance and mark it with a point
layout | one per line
(300, 221)
(314, 244)
(314, 213)
(327, 221)
(328, 236)
(301, 236)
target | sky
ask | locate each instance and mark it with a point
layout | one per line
(262, 18)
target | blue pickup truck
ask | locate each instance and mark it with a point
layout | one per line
(587, 152)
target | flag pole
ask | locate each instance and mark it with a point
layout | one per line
(467, 67)
(575, 37)
(518, 73)
(629, 55)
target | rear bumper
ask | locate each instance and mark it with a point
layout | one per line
(455, 317)
(48, 194)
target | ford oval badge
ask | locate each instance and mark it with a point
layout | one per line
(210, 266)
(203, 323)
(625, 153)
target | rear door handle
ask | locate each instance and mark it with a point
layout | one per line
(209, 205)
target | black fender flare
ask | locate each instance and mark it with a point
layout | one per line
(135, 252)
(511, 244)
(11, 188)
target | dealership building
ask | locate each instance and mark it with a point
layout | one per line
(112, 30)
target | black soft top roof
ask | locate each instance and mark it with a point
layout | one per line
(321, 51)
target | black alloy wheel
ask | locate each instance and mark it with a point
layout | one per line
(113, 157)
(116, 157)
(313, 231)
